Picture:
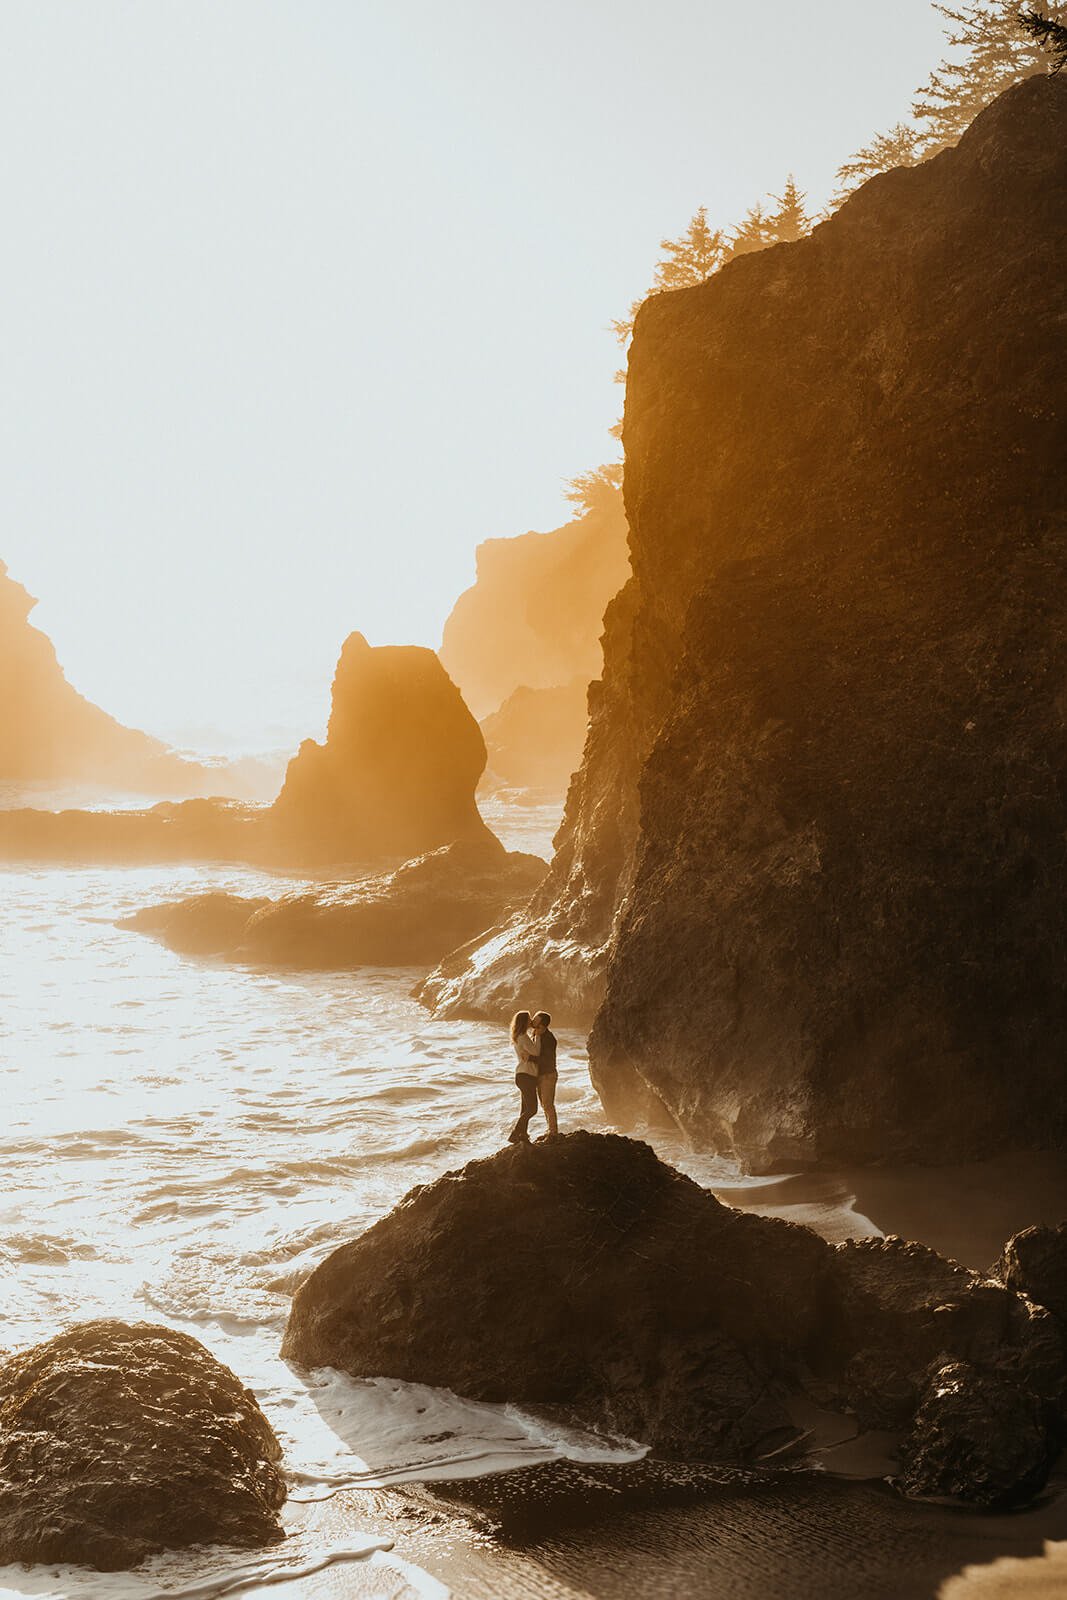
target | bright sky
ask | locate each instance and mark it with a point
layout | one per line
(301, 299)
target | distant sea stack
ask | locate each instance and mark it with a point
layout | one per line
(397, 773)
(523, 643)
(812, 871)
(49, 732)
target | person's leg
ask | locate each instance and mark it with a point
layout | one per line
(546, 1089)
(527, 1087)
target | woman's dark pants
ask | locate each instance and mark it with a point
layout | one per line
(527, 1087)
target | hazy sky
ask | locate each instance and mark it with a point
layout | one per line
(301, 299)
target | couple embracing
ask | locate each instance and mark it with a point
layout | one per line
(535, 1073)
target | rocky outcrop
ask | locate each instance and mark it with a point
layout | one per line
(978, 1439)
(1034, 1263)
(533, 616)
(407, 918)
(813, 867)
(397, 773)
(117, 1442)
(395, 778)
(535, 740)
(48, 731)
(582, 1274)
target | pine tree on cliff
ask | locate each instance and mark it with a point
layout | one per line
(992, 50)
(993, 46)
(756, 232)
(900, 147)
(791, 221)
(1050, 35)
(691, 258)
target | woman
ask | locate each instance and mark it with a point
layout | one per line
(526, 1050)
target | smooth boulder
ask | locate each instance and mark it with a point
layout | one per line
(119, 1441)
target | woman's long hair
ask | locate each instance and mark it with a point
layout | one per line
(519, 1024)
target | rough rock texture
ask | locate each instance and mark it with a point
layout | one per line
(817, 847)
(581, 1272)
(1034, 1263)
(410, 917)
(119, 1441)
(977, 1438)
(535, 740)
(533, 616)
(399, 768)
(49, 731)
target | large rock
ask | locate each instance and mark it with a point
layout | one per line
(1034, 1263)
(399, 768)
(817, 849)
(582, 1273)
(119, 1441)
(410, 917)
(979, 1439)
(578, 1272)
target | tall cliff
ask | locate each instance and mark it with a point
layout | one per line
(532, 618)
(812, 873)
(49, 731)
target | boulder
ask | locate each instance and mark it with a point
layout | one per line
(578, 1272)
(406, 918)
(119, 1441)
(1034, 1263)
(397, 773)
(978, 1439)
(583, 1276)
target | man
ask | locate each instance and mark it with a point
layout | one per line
(546, 1067)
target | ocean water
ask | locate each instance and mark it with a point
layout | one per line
(183, 1140)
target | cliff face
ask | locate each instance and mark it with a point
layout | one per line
(49, 731)
(816, 847)
(533, 616)
(399, 768)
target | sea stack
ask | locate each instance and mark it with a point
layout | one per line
(397, 773)
(813, 872)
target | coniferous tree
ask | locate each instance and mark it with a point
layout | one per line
(993, 47)
(899, 147)
(690, 259)
(754, 233)
(991, 52)
(791, 221)
(1049, 34)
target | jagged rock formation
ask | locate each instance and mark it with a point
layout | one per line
(813, 867)
(535, 740)
(411, 917)
(533, 615)
(399, 768)
(49, 731)
(581, 1272)
(395, 778)
(117, 1442)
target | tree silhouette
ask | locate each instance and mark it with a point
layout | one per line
(1049, 34)
(992, 51)
(899, 147)
(691, 258)
(791, 221)
(993, 46)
